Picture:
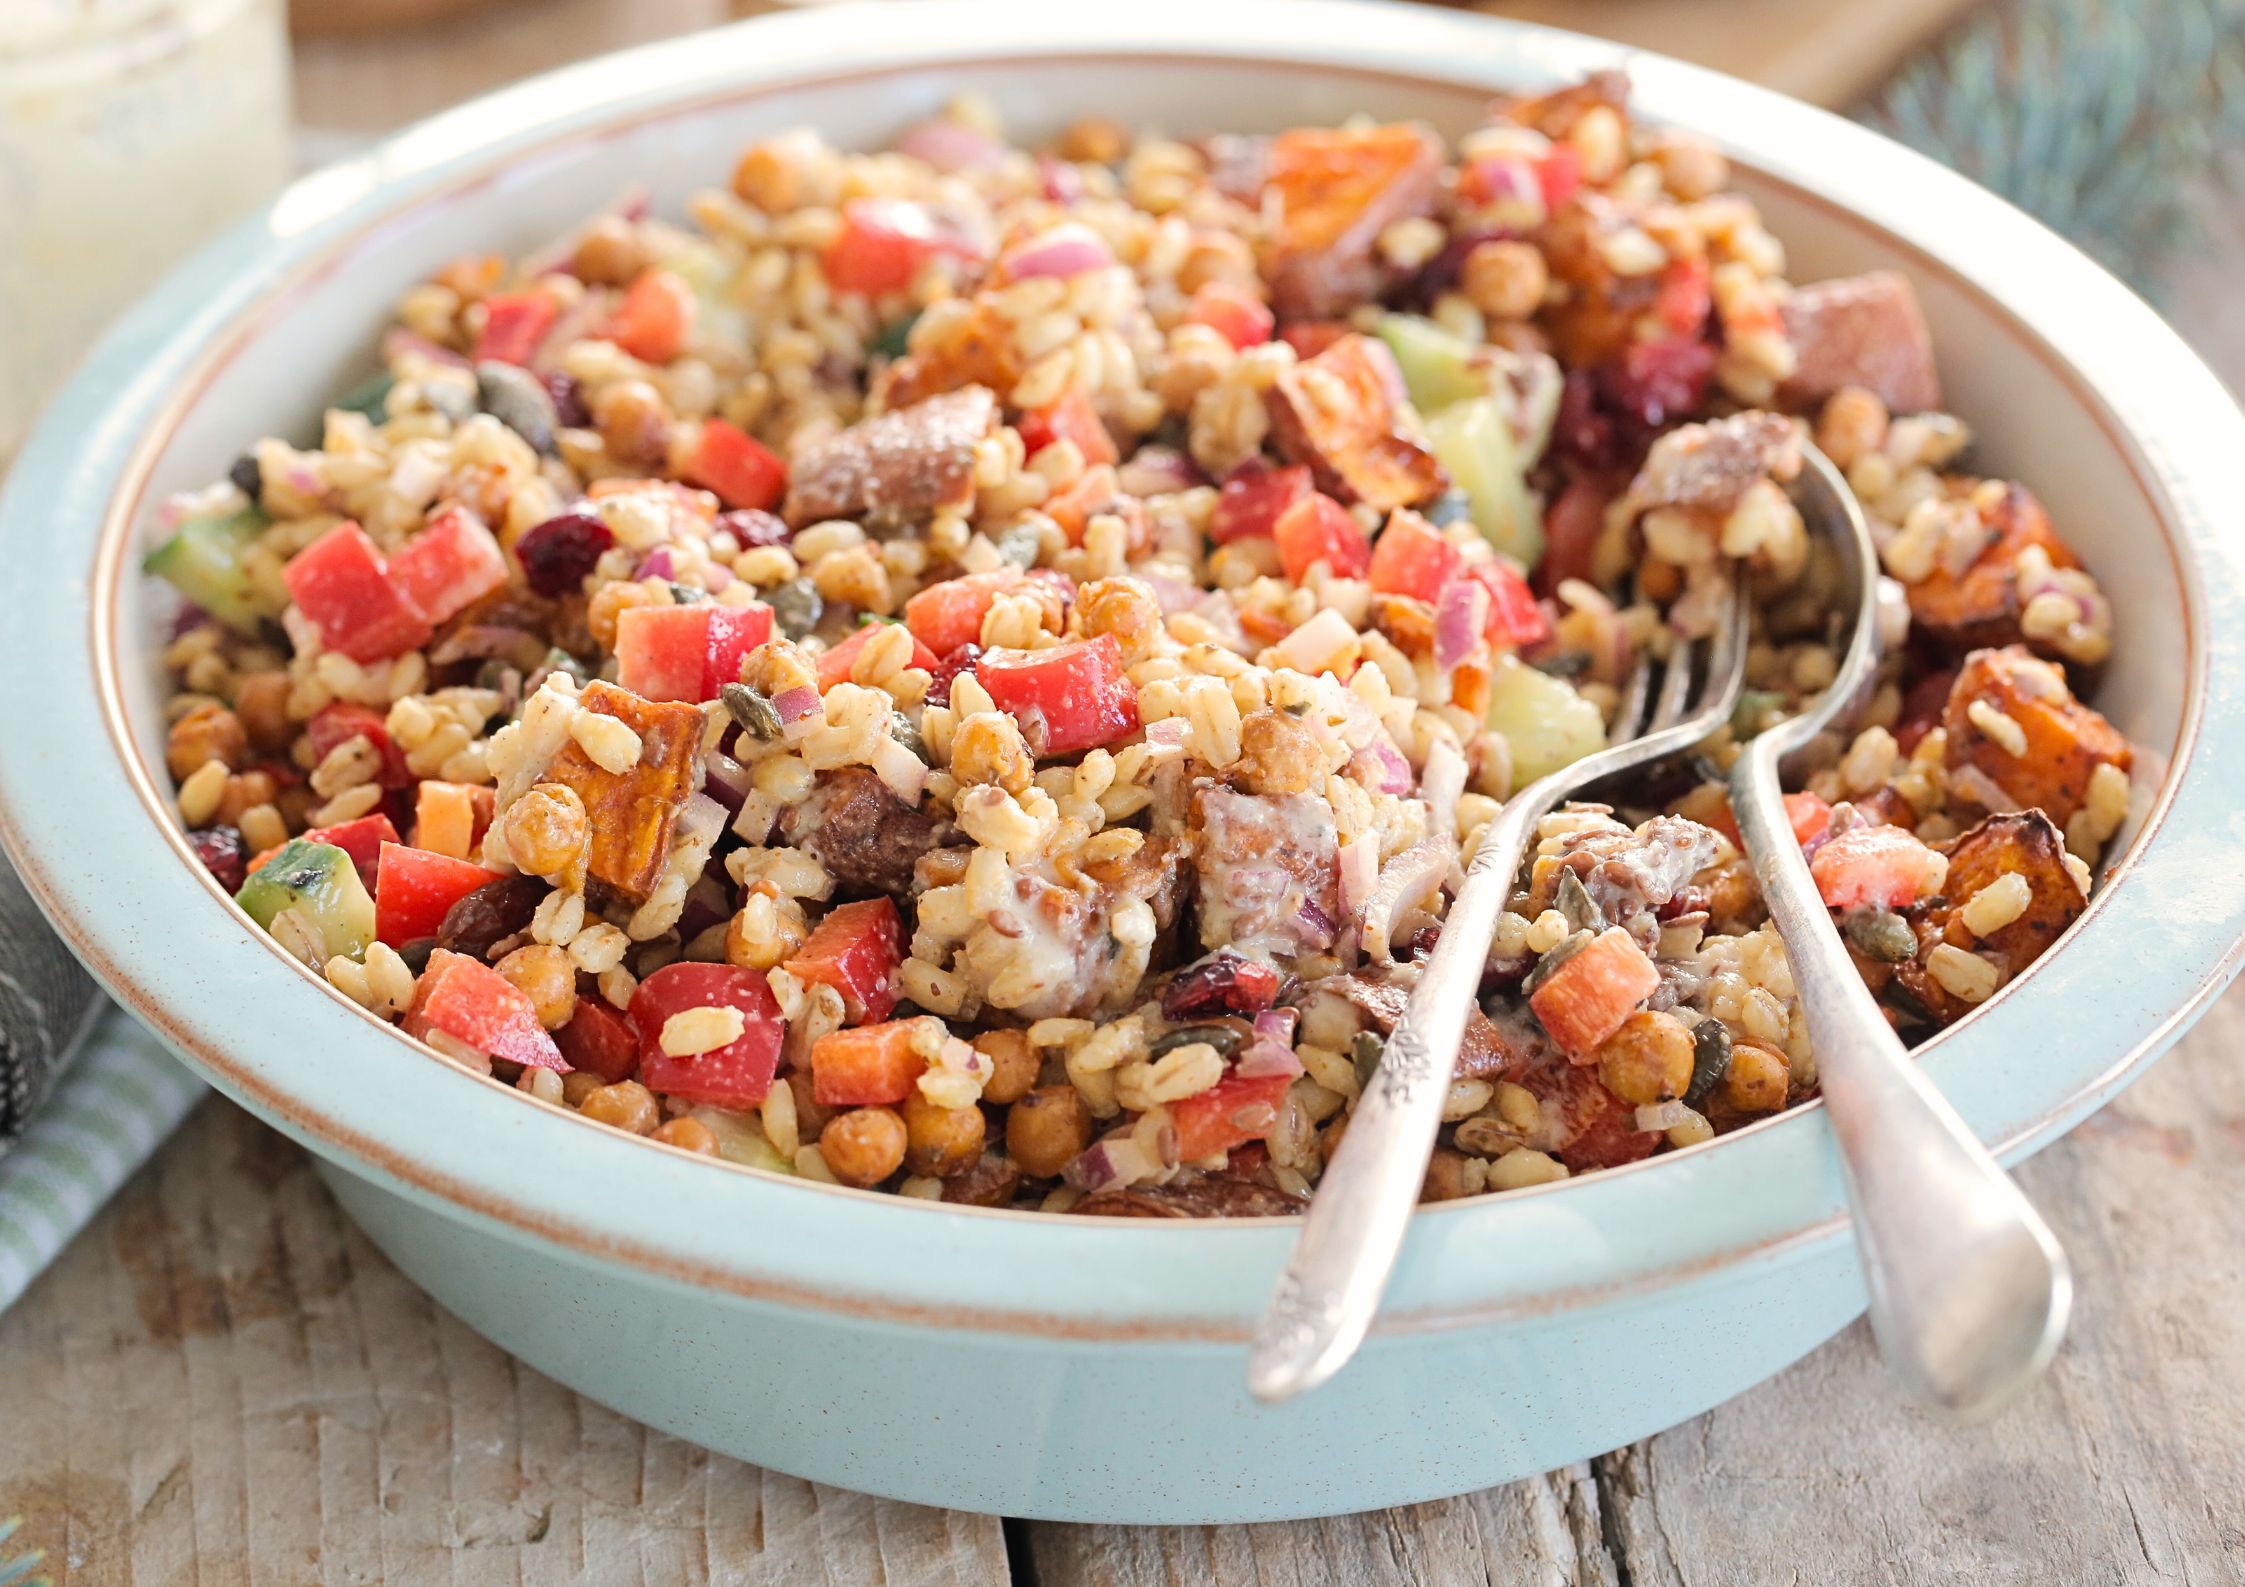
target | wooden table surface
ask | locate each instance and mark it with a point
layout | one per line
(223, 1383)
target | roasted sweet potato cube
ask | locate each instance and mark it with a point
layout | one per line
(634, 813)
(2047, 762)
(1866, 331)
(1980, 607)
(2021, 843)
(1337, 191)
(1338, 413)
(1585, 999)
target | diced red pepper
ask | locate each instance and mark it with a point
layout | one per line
(1585, 1000)
(599, 1040)
(414, 888)
(871, 1066)
(1065, 698)
(737, 1075)
(945, 616)
(1515, 620)
(1319, 529)
(1232, 312)
(1071, 418)
(341, 721)
(1253, 497)
(883, 243)
(1809, 815)
(855, 950)
(472, 1003)
(1558, 174)
(1412, 557)
(834, 665)
(686, 652)
(514, 323)
(655, 317)
(1229, 1113)
(1685, 297)
(362, 840)
(341, 584)
(449, 565)
(744, 473)
(1873, 865)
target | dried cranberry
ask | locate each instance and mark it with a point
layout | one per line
(491, 914)
(1659, 382)
(1421, 942)
(753, 528)
(1581, 434)
(557, 554)
(1441, 273)
(947, 671)
(569, 407)
(1226, 982)
(223, 854)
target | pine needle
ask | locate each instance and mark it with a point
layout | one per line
(2102, 118)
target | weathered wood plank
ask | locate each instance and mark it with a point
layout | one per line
(2126, 1467)
(222, 1383)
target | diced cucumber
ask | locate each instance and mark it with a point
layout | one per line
(1476, 447)
(370, 397)
(203, 561)
(741, 1139)
(1438, 368)
(1546, 724)
(318, 882)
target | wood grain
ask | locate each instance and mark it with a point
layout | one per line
(222, 1383)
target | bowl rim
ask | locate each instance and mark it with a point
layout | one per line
(93, 452)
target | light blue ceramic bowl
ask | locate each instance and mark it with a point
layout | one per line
(1086, 1369)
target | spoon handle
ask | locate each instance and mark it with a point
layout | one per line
(1969, 1290)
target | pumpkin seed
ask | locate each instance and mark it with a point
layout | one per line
(751, 712)
(1551, 961)
(1880, 934)
(1574, 901)
(796, 607)
(1711, 1060)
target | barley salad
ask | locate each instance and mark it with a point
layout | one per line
(971, 670)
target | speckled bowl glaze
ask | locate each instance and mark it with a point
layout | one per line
(1071, 1368)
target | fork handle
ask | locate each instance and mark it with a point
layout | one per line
(1969, 1289)
(1354, 1229)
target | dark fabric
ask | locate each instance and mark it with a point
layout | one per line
(45, 1003)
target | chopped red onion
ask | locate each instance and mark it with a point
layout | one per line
(657, 564)
(950, 146)
(1360, 871)
(1064, 184)
(1663, 1115)
(727, 781)
(798, 711)
(1260, 1059)
(1461, 612)
(1440, 786)
(1157, 471)
(398, 343)
(1277, 1024)
(1405, 882)
(1067, 249)
(1380, 766)
(1169, 732)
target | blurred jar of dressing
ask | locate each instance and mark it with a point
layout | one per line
(130, 131)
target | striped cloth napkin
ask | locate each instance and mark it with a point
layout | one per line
(119, 1097)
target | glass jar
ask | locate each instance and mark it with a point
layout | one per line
(130, 131)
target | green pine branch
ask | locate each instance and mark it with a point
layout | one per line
(2103, 118)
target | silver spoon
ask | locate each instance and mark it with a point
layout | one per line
(1354, 1229)
(1969, 1289)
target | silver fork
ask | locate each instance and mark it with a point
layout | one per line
(1969, 1289)
(1331, 1288)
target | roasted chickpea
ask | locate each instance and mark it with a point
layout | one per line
(548, 978)
(692, 1134)
(1013, 1064)
(204, 734)
(1446, 1176)
(245, 791)
(1046, 1129)
(863, 1146)
(546, 830)
(1648, 1060)
(1278, 754)
(633, 421)
(261, 702)
(1505, 280)
(941, 1142)
(1099, 140)
(1125, 608)
(610, 253)
(626, 1105)
(579, 1084)
(1757, 1079)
